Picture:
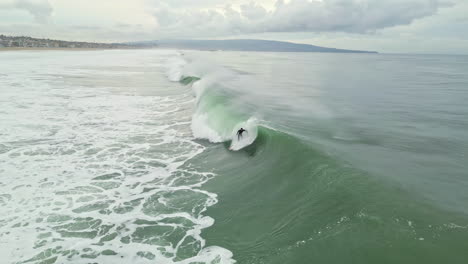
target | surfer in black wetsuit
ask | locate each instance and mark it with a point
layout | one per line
(239, 133)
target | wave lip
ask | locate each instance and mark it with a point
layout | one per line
(216, 117)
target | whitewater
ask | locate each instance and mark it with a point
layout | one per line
(94, 162)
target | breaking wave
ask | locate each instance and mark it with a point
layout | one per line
(219, 112)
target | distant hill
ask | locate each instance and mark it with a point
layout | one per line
(244, 45)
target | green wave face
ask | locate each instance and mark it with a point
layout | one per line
(218, 115)
(363, 186)
(188, 80)
(301, 203)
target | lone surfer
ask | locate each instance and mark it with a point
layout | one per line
(239, 133)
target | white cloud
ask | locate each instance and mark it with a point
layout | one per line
(373, 24)
(352, 16)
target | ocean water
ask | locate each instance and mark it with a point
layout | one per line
(132, 157)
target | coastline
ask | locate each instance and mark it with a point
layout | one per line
(56, 49)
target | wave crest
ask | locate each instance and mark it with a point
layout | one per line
(217, 117)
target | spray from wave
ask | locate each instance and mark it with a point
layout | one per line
(217, 117)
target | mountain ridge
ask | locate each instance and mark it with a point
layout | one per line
(245, 45)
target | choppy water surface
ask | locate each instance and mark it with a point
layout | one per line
(126, 157)
(93, 147)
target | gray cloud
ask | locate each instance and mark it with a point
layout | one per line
(253, 11)
(190, 3)
(350, 16)
(41, 10)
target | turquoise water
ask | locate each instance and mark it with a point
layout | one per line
(124, 157)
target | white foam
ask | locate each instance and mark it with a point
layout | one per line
(175, 68)
(201, 129)
(247, 138)
(63, 135)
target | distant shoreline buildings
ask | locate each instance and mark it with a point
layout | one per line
(29, 42)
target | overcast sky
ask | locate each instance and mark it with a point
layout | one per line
(422, 26)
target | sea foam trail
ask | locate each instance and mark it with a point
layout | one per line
(98, 176)
(216, 117)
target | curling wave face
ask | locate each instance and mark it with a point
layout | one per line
(219, 112)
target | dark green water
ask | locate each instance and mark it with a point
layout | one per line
(367, 161)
